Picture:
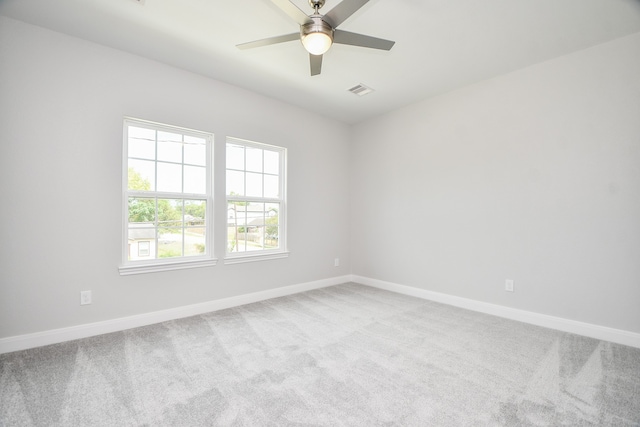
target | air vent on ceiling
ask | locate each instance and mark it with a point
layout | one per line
(360, 90)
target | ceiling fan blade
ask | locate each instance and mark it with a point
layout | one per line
(341, 12)
(293, 11)
(316, 64)
(353, 39)
(269, 41)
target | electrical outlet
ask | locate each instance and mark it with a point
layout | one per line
(85, 297)
(336, 262)
(508, 285)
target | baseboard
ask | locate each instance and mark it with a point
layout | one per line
(586, 329)
(38, 339)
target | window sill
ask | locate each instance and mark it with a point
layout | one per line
(126, 270)
(238, 259)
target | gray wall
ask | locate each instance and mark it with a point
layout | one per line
(532, 176)
(62, 102)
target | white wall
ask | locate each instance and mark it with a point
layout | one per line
(62, 102)
(532, 176)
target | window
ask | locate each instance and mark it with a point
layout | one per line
(143, 248)
(255, 175)
(167, 198)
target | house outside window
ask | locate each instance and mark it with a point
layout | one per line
(167, 198)
(256, 202)
(144, 249)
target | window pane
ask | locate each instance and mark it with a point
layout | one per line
(169, 177)
(142, 211)
(236, 225)
(169, 214)
(141, 175)
(195, 212)
(170, 243)
(241, 236)
(254, 184)
(254, 159)
(137, 235)
(194, 241)
(254, 226)
(271, 209)
(195, 179)
(194, 221)
(232, 239)
(255, 237)
(236, 213)
(195, 151)
(235, 157)
(255, 214)
(272, 231)
(271, 187)
(170, 151)
(271, 162)
(271, 237)
(141, 143)
(235, 183)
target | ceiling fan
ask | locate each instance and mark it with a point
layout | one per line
(318, 32)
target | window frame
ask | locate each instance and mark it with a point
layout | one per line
(263, 254)
(128, 266)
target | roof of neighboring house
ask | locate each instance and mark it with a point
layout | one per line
(140, 233)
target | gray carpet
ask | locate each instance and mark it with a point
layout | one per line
(344, 355)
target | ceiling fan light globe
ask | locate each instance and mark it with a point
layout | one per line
(317, 43)
(316, 35)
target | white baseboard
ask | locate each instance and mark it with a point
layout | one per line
(586, 329)
(54, 336)
(23, 342)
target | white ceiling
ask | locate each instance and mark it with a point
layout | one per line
(440, 45)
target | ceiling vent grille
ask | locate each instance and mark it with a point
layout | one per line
(360, 90)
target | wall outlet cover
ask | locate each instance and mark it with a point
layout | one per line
(85, 297)
(508, 285)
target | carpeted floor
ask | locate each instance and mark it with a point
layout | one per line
(339, 356)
